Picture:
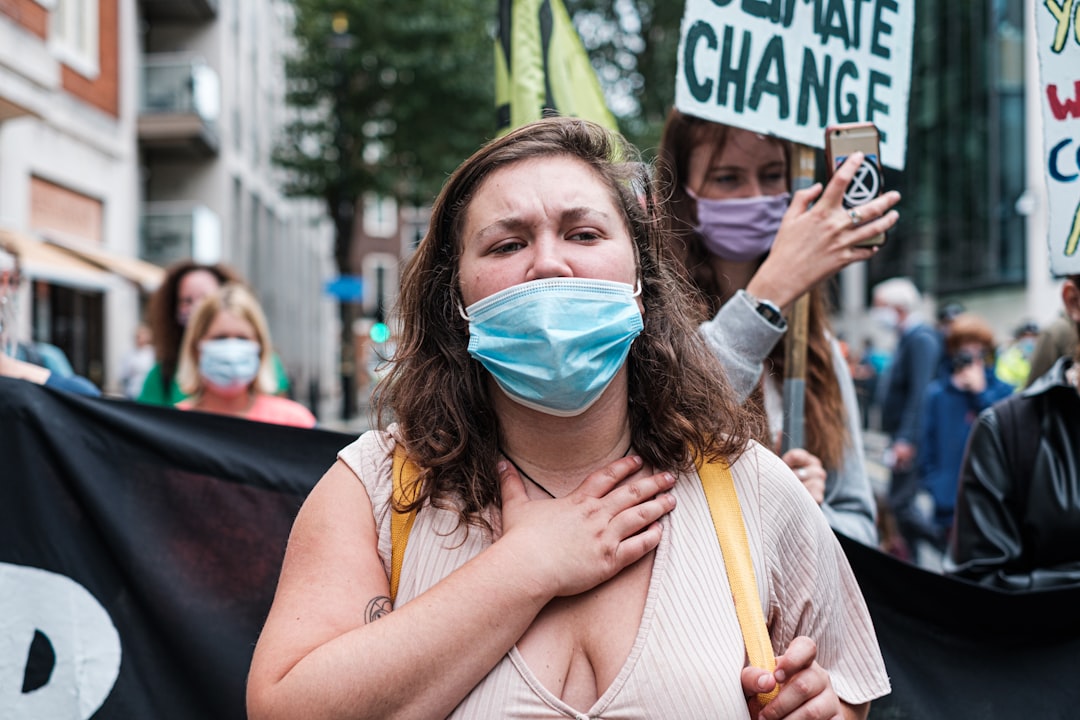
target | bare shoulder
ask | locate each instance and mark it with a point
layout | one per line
(334, 531)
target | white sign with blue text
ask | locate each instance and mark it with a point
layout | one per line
(1057, 26)
(791, 68)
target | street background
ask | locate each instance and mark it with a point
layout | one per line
(301, 143)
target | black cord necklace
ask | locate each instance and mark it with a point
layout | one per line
(526, 475)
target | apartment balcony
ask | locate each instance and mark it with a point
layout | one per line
(182, 11)
(178, 231)
(179, 105)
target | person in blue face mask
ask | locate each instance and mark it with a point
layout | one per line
(752, 248)
(225, 365)
(551, 392)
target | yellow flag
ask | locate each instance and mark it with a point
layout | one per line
(541, 67)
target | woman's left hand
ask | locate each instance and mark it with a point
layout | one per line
(809, 470)
(806, 690)
(818, 237)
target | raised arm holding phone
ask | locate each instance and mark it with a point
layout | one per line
(751, 253)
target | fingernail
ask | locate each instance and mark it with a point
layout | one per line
(636, 459)
(501, 467)
(669, 478)
(780, 676)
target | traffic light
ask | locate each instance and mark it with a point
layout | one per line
(379, 333)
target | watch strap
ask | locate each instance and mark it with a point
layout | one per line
(768, 310)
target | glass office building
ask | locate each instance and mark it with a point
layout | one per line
(962, 227)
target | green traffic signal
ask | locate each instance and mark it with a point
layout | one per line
(380, 332)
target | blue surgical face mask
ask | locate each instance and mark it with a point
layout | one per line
(229, 364)
(555, 345)
(740, 229)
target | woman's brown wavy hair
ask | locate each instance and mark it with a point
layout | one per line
(825, 420)
(680, 404)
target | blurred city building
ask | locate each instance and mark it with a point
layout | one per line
(137, 132)
(211, 103)
(69, 173)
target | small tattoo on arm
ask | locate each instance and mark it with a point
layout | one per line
(377, 607)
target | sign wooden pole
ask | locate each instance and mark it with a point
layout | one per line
(802, 176)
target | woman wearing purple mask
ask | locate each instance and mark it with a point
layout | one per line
(752, 248)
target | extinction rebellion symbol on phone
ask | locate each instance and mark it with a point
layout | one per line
(866, 184)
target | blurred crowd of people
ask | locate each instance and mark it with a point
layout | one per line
(928, 394)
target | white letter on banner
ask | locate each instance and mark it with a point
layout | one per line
(83, 637)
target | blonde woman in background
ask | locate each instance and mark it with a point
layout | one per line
(225, 364)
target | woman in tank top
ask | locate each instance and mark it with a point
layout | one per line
(552, 389)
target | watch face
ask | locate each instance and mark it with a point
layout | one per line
(769, 311)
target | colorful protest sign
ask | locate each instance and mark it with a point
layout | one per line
(1057, 26)
(793, 67)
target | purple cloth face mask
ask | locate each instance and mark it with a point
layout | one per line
(740, 229)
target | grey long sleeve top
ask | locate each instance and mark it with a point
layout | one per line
(742, 339)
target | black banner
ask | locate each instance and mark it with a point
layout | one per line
(140, 546)
(139, 551)
(955, 649)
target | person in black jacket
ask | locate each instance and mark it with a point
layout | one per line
(1018, 504)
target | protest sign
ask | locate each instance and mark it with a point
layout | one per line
(1057, 27)
(793, 67)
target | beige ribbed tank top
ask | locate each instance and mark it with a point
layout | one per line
(688, 653)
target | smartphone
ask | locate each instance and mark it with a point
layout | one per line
(868, 183)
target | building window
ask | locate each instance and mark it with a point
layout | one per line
(380, 215)
(73, 35)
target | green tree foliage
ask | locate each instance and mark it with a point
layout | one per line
(396, 102)
(390, 96)
(390, 104)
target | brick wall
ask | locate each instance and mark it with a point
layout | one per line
(102, 92)
(28, 15)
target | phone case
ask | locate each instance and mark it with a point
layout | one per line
(868, 183)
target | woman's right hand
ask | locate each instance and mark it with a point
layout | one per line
(818, 238)
(808, 468)
(576, 542)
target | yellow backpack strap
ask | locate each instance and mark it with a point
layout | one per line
(405, 473)
(731, 532)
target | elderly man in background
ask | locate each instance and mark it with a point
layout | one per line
(896, 304)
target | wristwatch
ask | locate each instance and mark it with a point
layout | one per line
(768, 310)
